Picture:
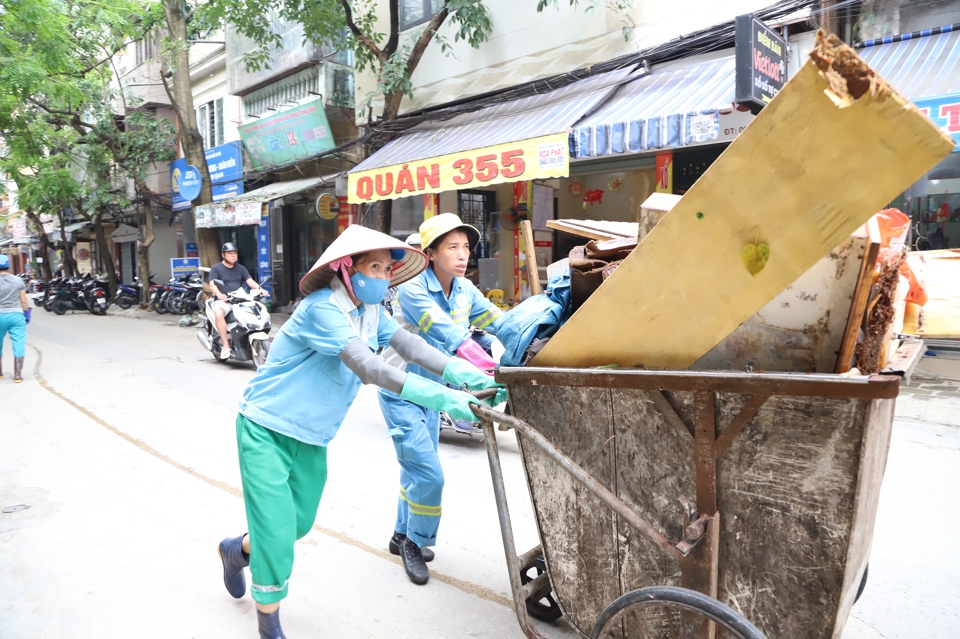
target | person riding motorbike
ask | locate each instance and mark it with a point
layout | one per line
(234, 276)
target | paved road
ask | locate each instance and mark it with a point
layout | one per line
(121, 441)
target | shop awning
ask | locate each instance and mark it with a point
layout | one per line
(517, 140)
(125, 233)
(922, 64)
(278, 190)
(667, 109)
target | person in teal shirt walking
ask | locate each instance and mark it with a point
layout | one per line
(14, 316)
(298, 400)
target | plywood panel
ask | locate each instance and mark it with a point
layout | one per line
(807, 172)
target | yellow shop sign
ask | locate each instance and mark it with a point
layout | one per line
(543, 157)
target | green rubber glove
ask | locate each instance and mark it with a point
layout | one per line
(438, 397)
(459, 372)
(497, 399)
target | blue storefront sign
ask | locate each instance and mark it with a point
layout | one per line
(944, 110)
(226, 174)
(180, 266)
(263, 249)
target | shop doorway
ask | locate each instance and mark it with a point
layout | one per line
(245, 237)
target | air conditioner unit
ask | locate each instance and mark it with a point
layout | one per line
(337, 83)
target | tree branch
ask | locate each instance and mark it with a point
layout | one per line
(425, 39)
(394, 40)
(360, 35)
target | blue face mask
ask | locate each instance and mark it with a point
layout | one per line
(369, 290)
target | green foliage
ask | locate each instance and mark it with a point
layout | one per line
(64, 141)
(620, 7)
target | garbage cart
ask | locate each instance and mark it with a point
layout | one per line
(694, 504)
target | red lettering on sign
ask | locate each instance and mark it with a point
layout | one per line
(512, 163)
(431, 177)
(465, 167)
(404, 180)
(952, 114)
(766, 66)
(384, 182)
(365, 188)
(487, 167)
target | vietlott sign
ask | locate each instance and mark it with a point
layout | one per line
(543, 157)
(761, 63)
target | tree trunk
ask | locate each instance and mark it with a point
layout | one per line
(44, 244)
(190, 138)
(69, 263)
(146, 239)
(105, 257)
(384, 215)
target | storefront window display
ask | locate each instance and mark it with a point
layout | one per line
(933, 204)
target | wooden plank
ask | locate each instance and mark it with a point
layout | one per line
(533, 273)
(594, 230)
(816, 163)
(860, 298)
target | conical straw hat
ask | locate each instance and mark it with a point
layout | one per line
(359, 239)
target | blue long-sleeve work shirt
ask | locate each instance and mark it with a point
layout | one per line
(303, 391)
(444, 320)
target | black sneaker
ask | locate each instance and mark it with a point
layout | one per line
(413, 563)
(397, 539)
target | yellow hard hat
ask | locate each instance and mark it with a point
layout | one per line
(439, 225)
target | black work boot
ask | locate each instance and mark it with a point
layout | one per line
(398, 538)
(17, 369)
(1, 368)
(234, 561)
(270, 625)
(413, 562)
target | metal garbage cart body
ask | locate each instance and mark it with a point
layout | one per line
(783, 473)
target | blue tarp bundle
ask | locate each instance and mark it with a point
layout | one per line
(536, 317)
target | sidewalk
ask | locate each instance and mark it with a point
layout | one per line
(928, 400)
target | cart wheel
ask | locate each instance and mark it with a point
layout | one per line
(656, 611)
(863, 583)
(541, 604)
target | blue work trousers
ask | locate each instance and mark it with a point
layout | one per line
(416, 435)
(16, 324)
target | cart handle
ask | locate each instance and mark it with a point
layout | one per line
(586, 479)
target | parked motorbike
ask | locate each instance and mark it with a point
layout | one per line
(81, 294)
(248, 325)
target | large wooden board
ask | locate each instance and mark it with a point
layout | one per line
(808, 171)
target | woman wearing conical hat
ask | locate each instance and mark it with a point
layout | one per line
(298, 399)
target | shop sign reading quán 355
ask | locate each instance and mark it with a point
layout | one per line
(542, 157)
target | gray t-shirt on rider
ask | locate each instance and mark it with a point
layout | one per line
(233, 278)
(10, 287)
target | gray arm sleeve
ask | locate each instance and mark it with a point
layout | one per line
(370, 368)
(415, 349)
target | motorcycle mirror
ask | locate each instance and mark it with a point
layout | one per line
(266, 279)
(219, 284)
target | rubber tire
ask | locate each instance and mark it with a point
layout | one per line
(735, 624)
(863, 583)
(549, 611)
(59, 307)
(47, 306)
(159, 305)
(125, 301)
(96, 310)
(257, 346)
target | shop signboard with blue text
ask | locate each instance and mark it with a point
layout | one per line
(181, 266)
(226, 174)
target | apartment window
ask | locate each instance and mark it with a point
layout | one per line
(210, 123)
(414, 12)
(145, 50)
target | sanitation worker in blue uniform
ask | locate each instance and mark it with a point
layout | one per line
(299, 398)
(441, 305)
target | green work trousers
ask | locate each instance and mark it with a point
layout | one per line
(282, 483)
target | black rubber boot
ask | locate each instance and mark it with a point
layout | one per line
(17, 369)
(1, 368)
(398, 538)
(270, 625)
(413, 562)
(234, 561)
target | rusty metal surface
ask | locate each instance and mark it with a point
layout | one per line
(786, 384)
(794, 487)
